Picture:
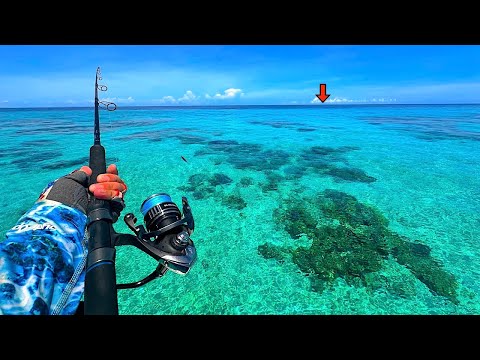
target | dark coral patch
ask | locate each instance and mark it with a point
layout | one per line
(158, 135)
(66, 164)
(234, 202)
(187, 139)
(322, 153)
(39, 142)
(277, 124)
(273, 181)
(347, 209)
(294, 172)
(351, 240)
(220, 179)
(323, 160)
(339, 252)
(416, 257)
(427, 128)
(49, 127)
(246, 181)
(246, 155)
(25, 162)
(201, 185)
(258, 160)
(274, 159)
(269, 251)
(324, 150)
(349, 174)
(296, 221)
(72, 164)
(130, 123)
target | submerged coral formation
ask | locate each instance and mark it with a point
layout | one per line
(234, 201)
(246, 181)
(351, 240)
(246, 155)
(349, 174)
(324, 161)
(50, 158)
(189, 139)
(273, 181)
(425, 128)
(202, 185)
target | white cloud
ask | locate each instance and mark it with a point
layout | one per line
(118, 100)
(167, 80)
(167, 100)
(356, 101)
(128, 100)
(141, 84)
(5, 101)
(339, 100)
(227, 94)
(410, 92)
(334, 100)
(188, 98)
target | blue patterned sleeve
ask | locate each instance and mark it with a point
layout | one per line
(42, 261)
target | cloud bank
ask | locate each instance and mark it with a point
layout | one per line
(358, 101)
(189, 98)
(227, 94)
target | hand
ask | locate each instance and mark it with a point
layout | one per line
(71, 189)
(108, 186)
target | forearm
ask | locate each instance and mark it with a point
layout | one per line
(42, 261)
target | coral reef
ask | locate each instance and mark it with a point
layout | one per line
(349, 174)
(424, 127)
(324, 160)
(245, 155)
(188, 139)
(351, 240)
(202, 185)
(234, 201)
(277, 124)
(273, 181)
(246, 181)
(294, 172)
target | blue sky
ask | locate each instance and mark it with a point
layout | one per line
(63, 75)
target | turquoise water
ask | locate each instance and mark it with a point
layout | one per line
(256, 178)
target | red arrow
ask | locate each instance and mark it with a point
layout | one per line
(323, 93)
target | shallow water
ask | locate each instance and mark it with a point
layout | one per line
(246, 168)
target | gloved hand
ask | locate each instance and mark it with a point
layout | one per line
(71, 189)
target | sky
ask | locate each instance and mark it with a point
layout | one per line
(183, 75)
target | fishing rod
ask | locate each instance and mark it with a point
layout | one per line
(165, 236)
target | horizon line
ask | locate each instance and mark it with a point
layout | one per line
(242, 105)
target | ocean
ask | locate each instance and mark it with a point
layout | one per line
(326, 209)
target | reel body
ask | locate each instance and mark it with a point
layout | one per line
(165, 236)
